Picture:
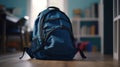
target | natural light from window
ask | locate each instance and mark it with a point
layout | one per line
(36, 6)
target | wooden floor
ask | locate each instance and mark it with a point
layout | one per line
(93, 60)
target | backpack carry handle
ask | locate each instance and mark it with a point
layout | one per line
(53, 8)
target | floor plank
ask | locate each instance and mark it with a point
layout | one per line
(93, 60)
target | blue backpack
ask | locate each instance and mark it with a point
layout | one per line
(52, 36)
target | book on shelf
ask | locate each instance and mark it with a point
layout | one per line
(92, 30)
(83, 30)
(87, 13)
(92, 12)
(88, 30)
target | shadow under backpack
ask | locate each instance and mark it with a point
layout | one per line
(52, 37)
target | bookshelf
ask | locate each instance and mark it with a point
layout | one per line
(88, 29)
(116, 29)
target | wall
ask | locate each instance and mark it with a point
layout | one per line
(72, 4)
(82, 4)
(20, 4)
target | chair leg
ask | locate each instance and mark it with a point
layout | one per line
(21, 38)
(27, 38)
(4, 37)
(22, 41)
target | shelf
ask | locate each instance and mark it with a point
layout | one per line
(117, 18)
(89, 36)
(88, 19)
(85, 19)
(76, 36)
(88, 29)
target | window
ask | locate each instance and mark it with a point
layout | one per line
(61, 4)
(34, 7)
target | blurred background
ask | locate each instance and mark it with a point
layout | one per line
(92, 22)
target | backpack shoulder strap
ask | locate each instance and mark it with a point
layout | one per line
(39, 21)
(42, 19)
